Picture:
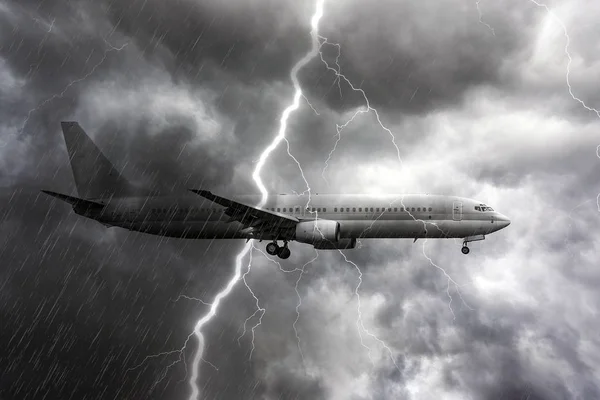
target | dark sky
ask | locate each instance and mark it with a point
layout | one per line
(188, 93)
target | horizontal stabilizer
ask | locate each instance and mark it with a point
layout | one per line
(74, 201)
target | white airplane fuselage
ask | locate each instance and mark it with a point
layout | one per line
(332, 221)
(359, 216)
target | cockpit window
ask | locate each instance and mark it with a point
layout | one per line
(483, 207)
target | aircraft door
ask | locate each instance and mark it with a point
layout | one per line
(457, 211)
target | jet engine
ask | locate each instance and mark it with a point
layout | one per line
(321, 230)
(340, 245)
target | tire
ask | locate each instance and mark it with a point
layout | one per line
(272, 249)
(284, 253)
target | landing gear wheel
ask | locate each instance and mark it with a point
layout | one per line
(273, 248)
(465, 250)
(284, 253)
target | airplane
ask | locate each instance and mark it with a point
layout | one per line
(327, 222)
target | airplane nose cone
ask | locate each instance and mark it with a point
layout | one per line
(503, 221)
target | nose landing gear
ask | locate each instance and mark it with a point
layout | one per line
(465, 249)
(282, 252)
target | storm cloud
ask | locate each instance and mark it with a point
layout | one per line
(187, 94)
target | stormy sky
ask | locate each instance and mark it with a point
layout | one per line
(188, 93)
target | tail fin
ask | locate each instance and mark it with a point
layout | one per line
(95, 176)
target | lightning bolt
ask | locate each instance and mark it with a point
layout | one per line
(339, 76)
(183, 296)
(367, 108)
(200, 324)
(566, 50)
(259, 183)
(359, 322)
(568, 42)
(73, 82)
(481, 18)
(450, 280)
(568, 73)
(259, 309)
(302, 270)
(66, 88)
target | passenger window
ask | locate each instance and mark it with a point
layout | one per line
(430, 209)
(335, 209)
(390, 209)
(418, 208)
(347, 209)
(314, 209)
(353, 209)
(377, 209)
(360, 209)
(371, 209)
(298, 210)
(319, 209)
(324, 210)
(395, 209)
(279, 209)
(413, 209)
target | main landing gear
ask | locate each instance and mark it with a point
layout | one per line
(465, 249)
(282, 252)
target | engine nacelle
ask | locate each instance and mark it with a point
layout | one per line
(321, 230)
(340, 245)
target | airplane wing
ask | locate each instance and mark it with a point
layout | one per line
(263, 221)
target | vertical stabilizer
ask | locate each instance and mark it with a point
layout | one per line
(95, 176)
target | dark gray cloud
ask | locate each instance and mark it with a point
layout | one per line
(189, 93)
